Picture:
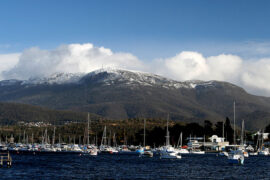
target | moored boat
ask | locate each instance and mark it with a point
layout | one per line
(236, 157)
(168, 152)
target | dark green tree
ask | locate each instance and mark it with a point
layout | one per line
(194, 129)
(267, 130)
(208, 130)
(228, 130)
(219, 128)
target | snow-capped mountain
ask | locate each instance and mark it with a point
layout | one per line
(133, 78)
(57, 78)
(110, 77)
(120, 94)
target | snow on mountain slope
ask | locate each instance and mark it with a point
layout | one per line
(133, 78)
(10, 82)
(58, 78)
(111, 76)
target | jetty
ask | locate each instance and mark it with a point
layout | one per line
(5, 159)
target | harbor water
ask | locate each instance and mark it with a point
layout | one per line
(75, 166)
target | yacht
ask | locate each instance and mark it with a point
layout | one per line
(236, 156)
(180, 148)
(197, 151)
(183, 151)
(168, 152)
(147, 153)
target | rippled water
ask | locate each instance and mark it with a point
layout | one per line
(132, 167)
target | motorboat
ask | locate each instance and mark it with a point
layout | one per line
(197, 151)
(168, 152)
(147, 154)
(236, 157)
(224, 153)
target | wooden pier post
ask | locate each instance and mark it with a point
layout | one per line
(5, 158)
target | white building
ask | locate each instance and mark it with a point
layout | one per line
(216, 139)
(265, 135)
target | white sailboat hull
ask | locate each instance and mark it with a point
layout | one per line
(236, 158)
(170, 156)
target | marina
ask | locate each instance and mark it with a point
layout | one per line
(134, 89)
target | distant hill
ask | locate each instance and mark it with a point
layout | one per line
(12, 113)
(119, 94)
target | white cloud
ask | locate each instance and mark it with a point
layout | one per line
(71, 58)
(251, 75)
(187, 65)
(256, 76)
(192, 66)
(8, 61)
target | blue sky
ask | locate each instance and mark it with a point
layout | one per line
(225, 40)
(148, 29)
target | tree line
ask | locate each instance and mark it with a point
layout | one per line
(128, 131)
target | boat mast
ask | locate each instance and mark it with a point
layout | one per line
(167, 134)
(234, 141)
(109, 139)
(24, 136)
(53, 141)
(223, 130)
(204, 141)
(88, 117)
(114, 140)
(144, 133)
(103, 140)
(181, 136)
(32, 138)
(96, 140)
(262, 138)
(179, 140)
(59, 140)
(242, 133)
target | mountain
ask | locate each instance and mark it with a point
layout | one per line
(118, 94)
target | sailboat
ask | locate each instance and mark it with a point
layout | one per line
(223, 153)
(145, 152)
(104, 147)
(245, 153)
(92, 150)
(181, 150)
(263, 151)
(168, 152)
(235, 156)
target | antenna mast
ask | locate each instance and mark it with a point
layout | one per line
(234, 123)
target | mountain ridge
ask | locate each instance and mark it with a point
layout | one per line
(120, 94)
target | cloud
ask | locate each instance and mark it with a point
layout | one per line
(187, 65)
(192, 66)
(72, 58)
(251, 75)
(8, 61)
(256, 76)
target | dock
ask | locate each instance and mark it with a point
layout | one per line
(5, 159)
